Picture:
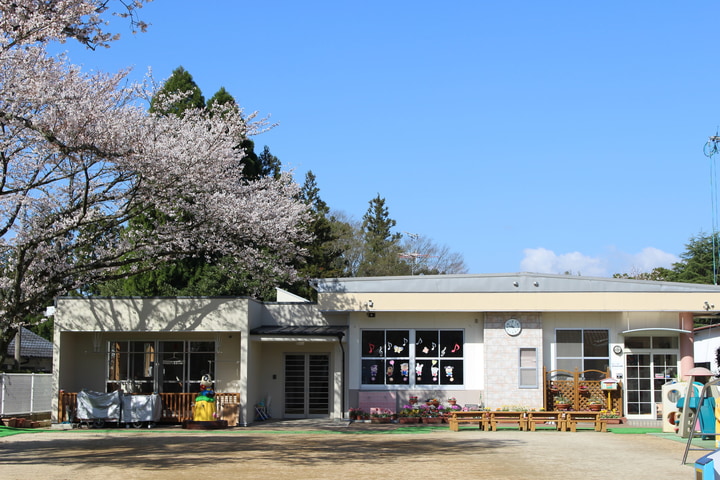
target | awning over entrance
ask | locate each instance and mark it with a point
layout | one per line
(276, 333)
(653, 331)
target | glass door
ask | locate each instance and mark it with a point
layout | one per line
(645, 374)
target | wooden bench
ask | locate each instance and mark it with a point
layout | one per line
(573, 418)
(558, 418)
(508, 417)
(479, 417)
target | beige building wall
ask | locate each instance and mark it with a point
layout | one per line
(502, 351)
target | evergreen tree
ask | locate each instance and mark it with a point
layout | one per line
(324, 258)
(179, 83)
(381, 252)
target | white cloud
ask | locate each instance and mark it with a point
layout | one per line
(542, 260)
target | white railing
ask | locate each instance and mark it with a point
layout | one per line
(25, 393)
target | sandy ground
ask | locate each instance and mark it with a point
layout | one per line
(343, 452)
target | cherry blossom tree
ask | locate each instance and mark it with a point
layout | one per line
(82, 157)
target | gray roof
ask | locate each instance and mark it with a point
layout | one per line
(31, 345)
(500, 283)
(301, 330)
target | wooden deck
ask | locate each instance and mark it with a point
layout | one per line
(176, 407)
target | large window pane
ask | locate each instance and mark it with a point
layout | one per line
(427, 343)
(569, 343)
(595, 343)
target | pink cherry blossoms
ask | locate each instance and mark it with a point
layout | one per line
(81, 157)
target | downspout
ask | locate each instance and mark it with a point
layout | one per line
(342, 374)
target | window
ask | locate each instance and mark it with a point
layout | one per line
(528, 373)
(412, 357)
(584, 349)
(157, 366)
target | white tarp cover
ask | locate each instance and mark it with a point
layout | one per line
(141, 408)
(96, 405)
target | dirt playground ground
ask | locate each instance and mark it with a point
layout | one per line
(341, 452)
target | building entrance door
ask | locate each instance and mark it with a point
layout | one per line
(645, 374)
(307, 385)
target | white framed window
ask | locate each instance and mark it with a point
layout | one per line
(528, 368)
(584, 349)
(412, 357)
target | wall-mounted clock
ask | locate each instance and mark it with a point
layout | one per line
(513, 327)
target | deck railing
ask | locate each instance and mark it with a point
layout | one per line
(176, 407)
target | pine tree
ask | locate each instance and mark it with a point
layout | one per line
(381, 252)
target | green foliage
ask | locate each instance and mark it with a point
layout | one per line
(697, 264)
(179, 82)
(324, 258)
(381, 250)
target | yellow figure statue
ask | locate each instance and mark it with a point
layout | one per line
(205, 410)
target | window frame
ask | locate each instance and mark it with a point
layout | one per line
(450, 362)
(533, 368)
(583, 358)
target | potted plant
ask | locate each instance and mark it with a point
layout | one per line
(611, 416)
(595, 404)
(408, 414)
(452, 401)
(381, 417)
(431, 414)
(561, 402)
(356, 414)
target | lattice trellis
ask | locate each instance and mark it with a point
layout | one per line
(578, 391)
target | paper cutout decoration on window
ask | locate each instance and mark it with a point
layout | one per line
(405, 370)
(449, 372)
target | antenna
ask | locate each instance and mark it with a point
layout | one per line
(710, 150)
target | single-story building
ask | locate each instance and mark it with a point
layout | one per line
(35, 353)
(487, 340)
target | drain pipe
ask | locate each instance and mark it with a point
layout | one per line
(342, 374)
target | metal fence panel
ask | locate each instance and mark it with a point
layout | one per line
(24, 393)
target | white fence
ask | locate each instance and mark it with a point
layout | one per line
(25, 393)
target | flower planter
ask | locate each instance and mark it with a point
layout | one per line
(562, 406)
(594, 407)
(408, 420)
(432, 420)
(613, 421)
(380, 419)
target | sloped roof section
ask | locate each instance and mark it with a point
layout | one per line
(500, 283)
(301, 331)
(31, 345)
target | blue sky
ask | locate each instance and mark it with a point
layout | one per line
(527, 136)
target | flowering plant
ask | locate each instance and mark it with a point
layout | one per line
(451, 399)
(382, 413)
(356, 413)
(409, 411)
(430, 411)
(609, 413)
(596, 400)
